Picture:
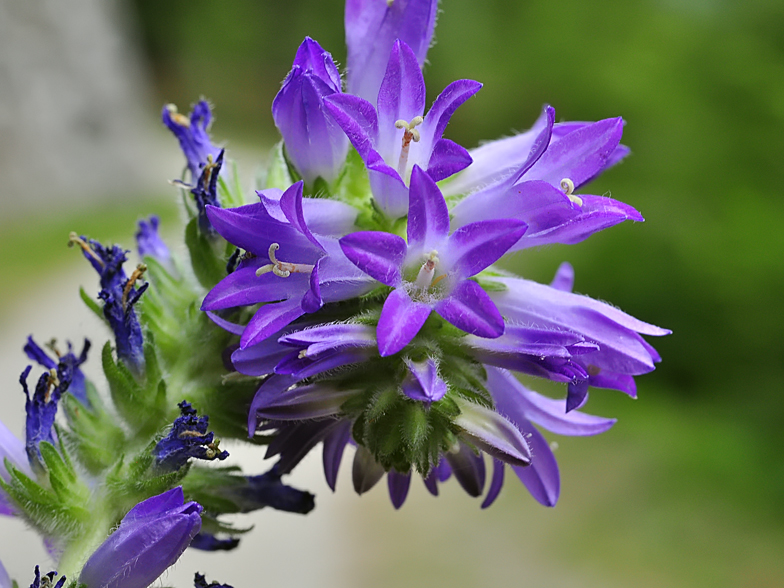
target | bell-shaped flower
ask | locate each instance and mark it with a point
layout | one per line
(372, 28)
(431, 271)
(422, 383)
(398, 134)
(311, 269)
(119, 294)
(77, 387)
(314, 143)
(193, 134)
(532, 176)
(149, 539)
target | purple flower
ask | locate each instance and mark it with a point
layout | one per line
(149, 242)
(372, 28)
(77, 387)
(533, 176)
(150, 538)
(119, 294)
(193, 134)
(313, 143)
(290, 266)
(267, 490)
(431, 272)
(187, 438)
(207, 542)
(41, 408)
(49, 580)
(398, 134)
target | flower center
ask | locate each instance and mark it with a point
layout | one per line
(282, 269)
(409, 134)
(567, 186)
(426, 279)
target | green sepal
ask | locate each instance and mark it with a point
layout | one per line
(62, 477)
(211, 487)
(208, 267)
(352, 184)
(91, 304)
(489, 285)
(278, 172)
(92, 434)
(212, 526)
(230, 195)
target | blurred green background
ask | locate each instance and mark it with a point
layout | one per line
(687, 489)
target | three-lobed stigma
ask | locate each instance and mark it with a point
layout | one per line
(282, 269)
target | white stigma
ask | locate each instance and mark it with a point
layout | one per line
(427, 271)
(567, 186)
(282, 269)
(410, 133)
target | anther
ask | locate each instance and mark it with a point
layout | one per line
(302, 354)
(410, 133)
(74, 239)
(208, 168)
(212, 450)
(567, 186)
(178, 118)
(137, 274)
(282, 269)
(51, 345)
(52, 381)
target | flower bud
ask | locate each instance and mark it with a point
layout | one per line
(314, 143)
(150, 538)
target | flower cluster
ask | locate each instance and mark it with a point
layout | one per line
(382, 320)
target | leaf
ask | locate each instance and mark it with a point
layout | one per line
(91, 304)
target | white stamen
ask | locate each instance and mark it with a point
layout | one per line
(409, 134)
(567, 186)
(427, 271)
(282, 269)
(390, 3)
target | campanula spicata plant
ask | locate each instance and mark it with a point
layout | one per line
(351, 301)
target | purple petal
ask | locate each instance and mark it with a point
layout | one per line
(440, 473)
(519, 404)
(243, 287)
(306, 367)
(260, 359)
(252, 228)
(398, 487)
(500, 163)
(446, 159)
(580, 155)
(428, 216)
(312, 57)
(313, 401)
(576, 395)
(311, 300)
(267, 393)
(357, 118)
(13, 449)
(291, 207)
(468, 468)
(366, 471)
(401, 96)
(495, 483)
(564, 277)
(298, 440)
(339, 278)
(269, 319)
(453, 96)
(371, 29)
(541, 478)
(332, 336)
(334, 445)
(469, 308)
(520, 340)
(476, 246)
(400, 321)
(493, 434)
(389, 190)
(376, 253)
(423, 383)
(226, 325)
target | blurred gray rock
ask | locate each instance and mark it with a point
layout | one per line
(73, 94)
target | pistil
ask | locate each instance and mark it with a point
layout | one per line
(282, 269)
(567, 186)
(426, 272)
(409, 134)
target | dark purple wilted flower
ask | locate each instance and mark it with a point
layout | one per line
(193, 134)
(187, 438)
(431, 271)
(77, 387)
(119, 294)
(41, 408)
(150, 538)
(397, 135)
(149, 242)
(315, 145)
(372, 27)
(208, 542)
(200, 581)
(47, 581)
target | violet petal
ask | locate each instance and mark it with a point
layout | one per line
(400, 321)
